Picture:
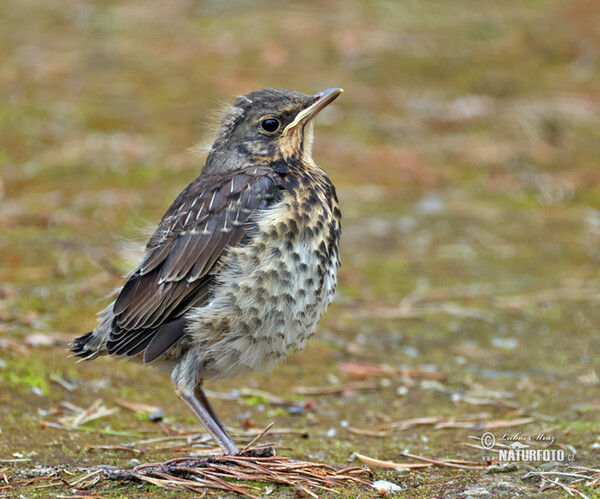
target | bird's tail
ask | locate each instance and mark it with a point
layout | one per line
(93, 344)
(78, 346)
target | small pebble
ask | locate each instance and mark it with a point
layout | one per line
(156, 416)
(383, 487)
(477, 492)
(502, 468)
(296, 410)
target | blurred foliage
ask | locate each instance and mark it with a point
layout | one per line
(466, 151)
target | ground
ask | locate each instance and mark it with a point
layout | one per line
(466, 152)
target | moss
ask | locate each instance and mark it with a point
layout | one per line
(23, 375)
(102, 103)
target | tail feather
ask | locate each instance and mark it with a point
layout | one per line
(78, 347)
(93, 344)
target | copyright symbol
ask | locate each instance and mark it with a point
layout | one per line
(488, 440)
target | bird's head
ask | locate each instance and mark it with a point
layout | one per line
(267, 125)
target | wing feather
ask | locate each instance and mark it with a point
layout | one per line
(211, 215)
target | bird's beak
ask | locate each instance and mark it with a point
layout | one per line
(319, 101)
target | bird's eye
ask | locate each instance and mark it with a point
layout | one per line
(270, 125)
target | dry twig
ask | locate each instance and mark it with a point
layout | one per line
(427, 463)
(450, 463)
(256, 464)
(329, 390)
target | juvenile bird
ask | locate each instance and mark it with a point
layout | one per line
(242, 265)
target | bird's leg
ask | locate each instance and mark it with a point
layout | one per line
(209, 419)
(203, 399)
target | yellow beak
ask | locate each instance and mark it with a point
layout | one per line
(320, 100)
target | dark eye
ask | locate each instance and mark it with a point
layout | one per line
(270, 125)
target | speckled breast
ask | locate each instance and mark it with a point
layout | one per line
(272, 291)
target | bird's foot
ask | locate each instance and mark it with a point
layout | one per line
(262, 451)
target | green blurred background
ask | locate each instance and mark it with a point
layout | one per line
(466, 151)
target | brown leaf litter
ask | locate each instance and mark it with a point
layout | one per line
(426, 462)
(480, 421)
(221, 473)
(255, 464)
(574, 478)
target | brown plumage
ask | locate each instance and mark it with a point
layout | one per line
(243, 263)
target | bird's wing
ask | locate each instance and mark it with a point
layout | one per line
(212, 214)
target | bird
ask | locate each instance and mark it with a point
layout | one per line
(242, 265)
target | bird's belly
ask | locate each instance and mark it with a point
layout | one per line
(269, 297)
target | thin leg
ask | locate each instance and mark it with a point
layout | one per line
(203, 399)
(210, 422)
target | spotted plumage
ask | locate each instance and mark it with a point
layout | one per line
(242, 265)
